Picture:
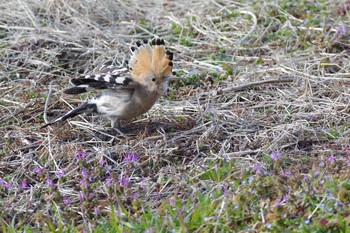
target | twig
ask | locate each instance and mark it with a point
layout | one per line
(314, 78)
(240, 153)
(47, 101)
(318, 206)
(255, 21)
(50, 149)
(29, 14)
(5, 26)
(249, 85)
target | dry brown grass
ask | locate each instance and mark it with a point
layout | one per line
(303, 112)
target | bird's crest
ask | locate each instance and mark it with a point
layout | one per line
(150, 59)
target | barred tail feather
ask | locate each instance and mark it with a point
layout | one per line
(85, 88)
(85, 108)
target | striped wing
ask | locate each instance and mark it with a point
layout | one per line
(105, 77)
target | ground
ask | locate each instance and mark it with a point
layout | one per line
(252, 136)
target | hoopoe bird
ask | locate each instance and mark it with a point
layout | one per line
(130, 91)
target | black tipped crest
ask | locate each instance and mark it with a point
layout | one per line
(160, 42)
(170, 55)
(157, 41)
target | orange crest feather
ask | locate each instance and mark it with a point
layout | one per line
(150, 60)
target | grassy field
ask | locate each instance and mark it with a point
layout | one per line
(253, 136)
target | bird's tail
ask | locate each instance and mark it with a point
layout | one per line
(85, 108)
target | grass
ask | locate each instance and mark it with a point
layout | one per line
(253, 136)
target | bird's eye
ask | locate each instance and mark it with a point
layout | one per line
(153, 79)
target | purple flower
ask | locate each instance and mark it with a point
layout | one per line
(149, 230)
(330, 196)
(275, 155)
(102, 162)
(341, 30)
(257, 169)
(95, 211)
(124, 181)
(108, 171)
(84, 172)
(331, 158)
(108, 181)
(60, 173)
(277, 202)
(217, 69)
(305, 177)
(226, 192)
(143, 181)
(91, 195)
(50, 183)
(250, 179)
(135, 195)
(24, 184)
(66, 201)
(80, 155)
(8, 186)
(37, 170)
(83, 183)
(116, 212)
(288, 174)
(2, 182)
(130, 157)
(172, 202)
(268, 225)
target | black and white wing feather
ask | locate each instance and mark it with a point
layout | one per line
(106, 77)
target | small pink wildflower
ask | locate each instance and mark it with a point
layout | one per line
(60, 173)
(66, 201)
(37, 170)
(24, 184)
(124, 181)
(131, 158)
(275, 155)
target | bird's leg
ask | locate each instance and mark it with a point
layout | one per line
(115, 124)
